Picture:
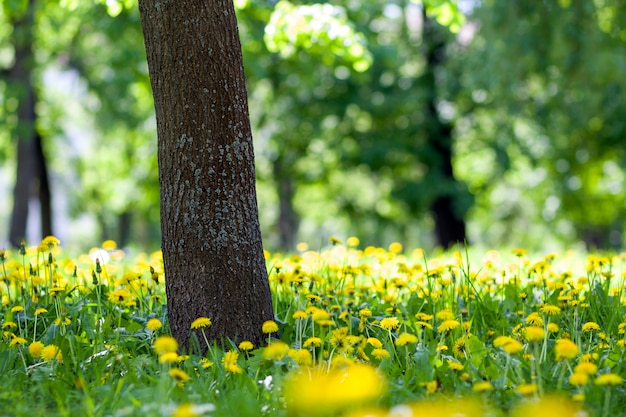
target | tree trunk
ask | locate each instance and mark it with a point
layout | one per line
(449, 223)
(211, 239)
(20, 82)
(43, 186)
(288, 219)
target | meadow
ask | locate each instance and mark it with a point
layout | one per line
(373, 332)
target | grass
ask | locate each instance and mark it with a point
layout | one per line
(363, 332)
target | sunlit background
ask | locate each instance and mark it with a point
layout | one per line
(499, 123)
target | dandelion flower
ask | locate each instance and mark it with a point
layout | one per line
(312, 341)
(534, 319)
(301, 356)
(590, 326)
(246, 345)
(229, 361)
(447, 326)
(62, 321)
(154, 324)
(17, 309)
(586, 368)
(17, 341)
(482, 386)
(508, 344)
(35, 349)
(179, 375)
(51, 352)
(442, 315)
(168, 357)
(377, 344)
(454, 365)
(205, 363)
(276, 350)
(578, 379)
(527, 389)
(533, 333)
(405, 338)
(40, 310)
(201, 322)
(389, 323)
(608, 379)
(193, 410)
(553, 327)
(299, 315)
(565, 349)
(269, 326)
(380, 353)
(164, 344)
(550, 310)
(119, 296)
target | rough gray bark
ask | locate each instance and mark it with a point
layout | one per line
(211, 239)
(32, 174)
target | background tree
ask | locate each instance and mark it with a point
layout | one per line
(211, 239)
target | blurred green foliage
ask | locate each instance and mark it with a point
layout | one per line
(534, 93)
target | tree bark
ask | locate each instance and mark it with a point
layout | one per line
(288, 218)
(211, 239)
(449, 223)
(20, 82)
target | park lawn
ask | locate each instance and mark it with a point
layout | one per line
(363, 332)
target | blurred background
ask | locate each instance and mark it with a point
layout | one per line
(496, 122)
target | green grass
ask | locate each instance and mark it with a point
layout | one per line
(370, 331)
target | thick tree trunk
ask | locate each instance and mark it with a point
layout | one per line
(288, 219)
(20, 82)
(449, 223)
(211, 239)
(43, 186)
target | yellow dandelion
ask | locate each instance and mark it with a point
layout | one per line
(164, 344)
(565, 349)
(35, 349)
(442, 315)
(229, 361)
(586, 368)
(246, 345)
(201, 322)
(374, 342)
(179, 375)
(276, 350)
(534, 319)
(454, 365)
(482, 386)
(395, 247)
(426, 317)
(312, 341)
(550, 310)
(353, 241)
(527, 389)
(590, 326)
(448, 325)
(508, 344)
(40, 310)
(519, 252)
(301, 356)
(119, 296)
(51, 352)
(205, 363)
(168, 357)
(405, 338)
(389, 323)
(608, 379)
(578, 379)
(154, 324)
(533, 333)
(553, 328)
(17, 309)
(16, 341)
(62, 321)
(300, 315)
(269, 326)
(380, 353)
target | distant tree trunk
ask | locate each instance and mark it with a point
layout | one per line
(211, 239)
(124, 222)
(32, 175)
(449, 222)
(288, 219)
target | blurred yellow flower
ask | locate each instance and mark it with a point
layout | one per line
(229, 361)
(565, 349)
(550, 310)
(405, 338)
(276, 350)
(312, 341)
(546, 407)
(380, 353)
(482, 386)
(51, 352)
(164, 344)
(315, 391)
(527, 389)
(586, 368)
(608, 379)
(578, 379)
(179, 375)
(533, 333)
